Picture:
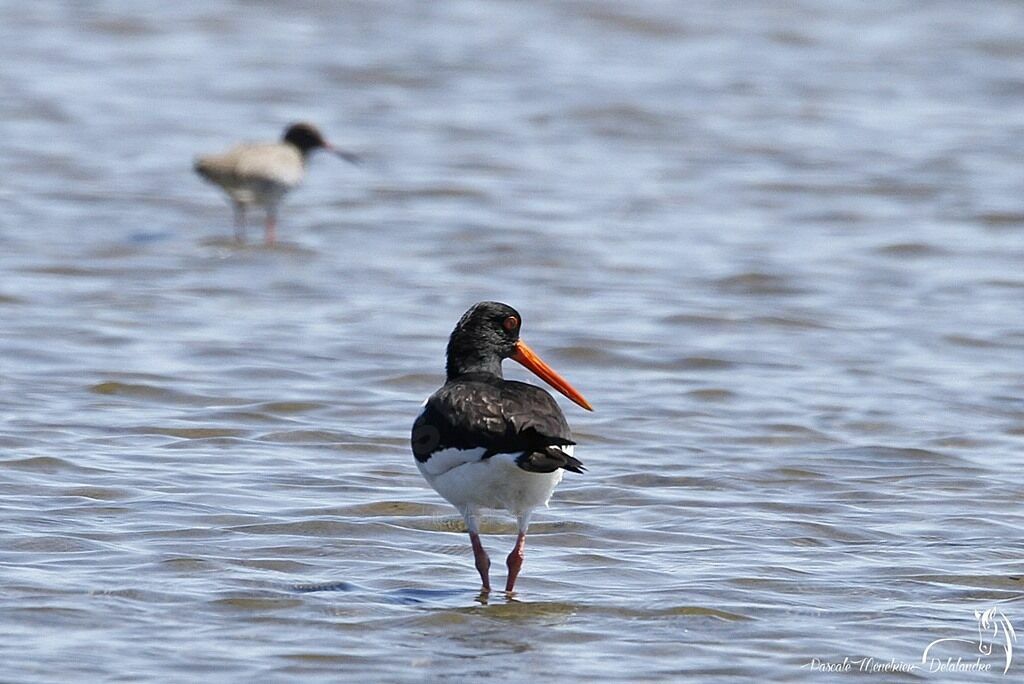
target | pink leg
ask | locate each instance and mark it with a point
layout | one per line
(271, 227)
(515, 561)
(483, 563)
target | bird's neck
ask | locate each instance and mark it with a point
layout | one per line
(304, 152)
(465, 363)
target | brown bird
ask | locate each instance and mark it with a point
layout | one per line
(262, 174)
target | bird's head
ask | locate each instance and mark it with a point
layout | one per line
(308, 138)
(305, 136)
(487, 334)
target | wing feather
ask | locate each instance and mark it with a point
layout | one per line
(500, 417)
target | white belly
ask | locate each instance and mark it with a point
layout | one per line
(495, 483)
(262, 193)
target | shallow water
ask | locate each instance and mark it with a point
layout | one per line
(779, 246)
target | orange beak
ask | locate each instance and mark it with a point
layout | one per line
(528, 358)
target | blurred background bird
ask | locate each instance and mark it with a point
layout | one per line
(261, 174)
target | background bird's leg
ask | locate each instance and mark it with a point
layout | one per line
(515, 561)
(483, 563)
(271, 224)
(239, 221)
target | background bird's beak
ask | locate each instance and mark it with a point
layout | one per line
(526, 356)
(350, 157)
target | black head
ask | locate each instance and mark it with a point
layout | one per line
(483, 337)
(304, 136)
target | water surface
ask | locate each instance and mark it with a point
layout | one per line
(779, 246)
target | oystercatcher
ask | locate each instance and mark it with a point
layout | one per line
(263, 173)
(486, 442)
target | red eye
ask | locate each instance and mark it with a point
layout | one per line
(511, 323)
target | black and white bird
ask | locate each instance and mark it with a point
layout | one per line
(261, 174)
(484, 442)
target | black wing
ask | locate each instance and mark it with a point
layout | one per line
(503, 417)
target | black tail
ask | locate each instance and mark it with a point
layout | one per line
(200, 167)
(548, 461)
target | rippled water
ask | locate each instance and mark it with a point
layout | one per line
(779, 246)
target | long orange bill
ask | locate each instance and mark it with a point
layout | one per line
(529, 358)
